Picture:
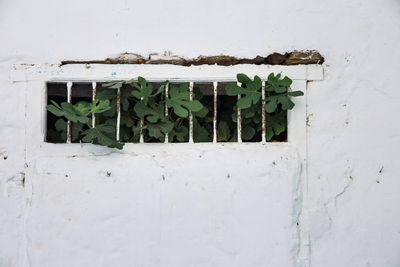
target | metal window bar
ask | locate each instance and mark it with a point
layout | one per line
(141, 140)
(69, 124)
(166, 110)
(94, 91)
(190, 114)
(239, 120)
(263, 118)
(215, 85)
(118, 112)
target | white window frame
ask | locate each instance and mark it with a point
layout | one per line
(35, 78)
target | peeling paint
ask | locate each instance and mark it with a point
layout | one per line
(289, 58)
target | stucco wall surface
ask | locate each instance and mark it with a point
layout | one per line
(166, 207)
(350, 199)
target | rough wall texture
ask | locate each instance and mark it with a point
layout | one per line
(351, 210)
(291, 58)
(181, 207)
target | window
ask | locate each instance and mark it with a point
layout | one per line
(219, 120)
(50, 81)
(208, 81)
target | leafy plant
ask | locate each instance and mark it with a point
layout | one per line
(151, 109)
(178, 100)
(250, 90)
(129, 123)
(80, 113)
(203, 119)
(143, 110)
(277, 101)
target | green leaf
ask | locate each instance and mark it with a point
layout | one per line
(286, 103)
(232, 89)
(151, 113)
(154, 130)
(224, 132)
(276, 124)
(277, 85)
(250, 112)
(99, 135)
(257, 120)
(136, 133)
(287, 82)
(273, 101)
(179, 101)
(295, 93)
(269, 133)
(243, 78)
(257, 82)
(158, 130)
(55, 109)
(177, 108)
(89, 135)
(104, 140)
(82, 108)
(244, 102)
(200, 132)
(113, 84)
(127, 119)
(250, 94)
(160, 90)
(194, 105)
(201, 113)
(61, 124)
(142, 81)
(116, 144)
(180, 133)
(76, 130)
(106, 128)
(198, 95)
(72, 114)
(142, 109)
(248, 132)
(271, 106)
(167, 126)
(100, 106)
(143, 91)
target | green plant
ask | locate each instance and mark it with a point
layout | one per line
(277, 102)
(143, 109)
(139, 101)
(80, 114)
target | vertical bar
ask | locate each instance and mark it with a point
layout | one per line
(239, 121)
(94, 91)
(263, 120)
(141, 130)
(215, 84)
(166, 109)
(69, 98)
(118, 112)
(190, 113)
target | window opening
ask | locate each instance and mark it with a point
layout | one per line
(220, 119)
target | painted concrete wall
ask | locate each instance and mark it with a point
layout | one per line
(350, 205)
(175, 206)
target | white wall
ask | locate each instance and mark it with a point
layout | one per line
(350, 208)
(177, 206)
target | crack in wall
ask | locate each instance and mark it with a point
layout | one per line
(28, 186)
(300, 259)
(344, 190)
